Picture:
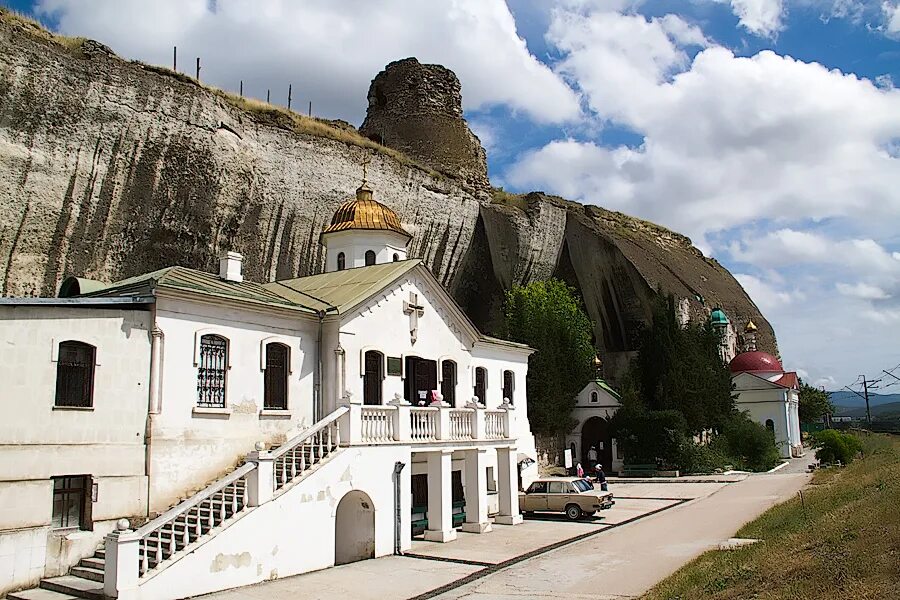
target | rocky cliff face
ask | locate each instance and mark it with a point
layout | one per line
(110, 168)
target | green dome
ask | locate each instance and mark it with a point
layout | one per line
(718, 317)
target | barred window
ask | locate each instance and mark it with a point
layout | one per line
(75, 374)
(276, 378)
(213, 368)
(71, 506)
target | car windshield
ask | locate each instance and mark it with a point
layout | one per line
(582, 485)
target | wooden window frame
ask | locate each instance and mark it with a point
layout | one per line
(72, 488)
(65, 370)
(204, 390)
(285, 377)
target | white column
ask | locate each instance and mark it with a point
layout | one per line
(476, 492)
(440, 497)
(120, 571)
(508, 487)
(261, 480)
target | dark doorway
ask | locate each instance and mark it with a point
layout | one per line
(373, 377)
(421, 376)
(595, 432)
(448, 382)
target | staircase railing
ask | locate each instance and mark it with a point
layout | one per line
(187, 522)
(308, 448)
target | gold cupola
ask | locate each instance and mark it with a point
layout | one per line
(365, 213)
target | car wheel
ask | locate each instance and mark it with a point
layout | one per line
(573, 512)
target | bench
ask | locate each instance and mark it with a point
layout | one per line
(639, 470)
(420, 516)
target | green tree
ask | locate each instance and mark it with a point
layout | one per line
(548, 316)
(679, 368)
(814, 403)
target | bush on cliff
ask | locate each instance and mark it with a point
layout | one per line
(548, 316)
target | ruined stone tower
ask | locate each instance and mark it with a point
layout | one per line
(417, 109)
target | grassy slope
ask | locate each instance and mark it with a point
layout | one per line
(846, 544)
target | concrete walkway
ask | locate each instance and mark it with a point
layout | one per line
(654, 528)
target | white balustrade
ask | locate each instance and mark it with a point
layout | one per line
(423, 424)
(493, 424)
(461, 424)
(377, 424)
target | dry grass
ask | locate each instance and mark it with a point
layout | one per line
(29, 26)
(260, 111)
(844, 544)
(501, 196)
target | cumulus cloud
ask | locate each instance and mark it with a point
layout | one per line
(760, 17)
(766, 296)
(862, 290)
(328, 50)
(891, 12)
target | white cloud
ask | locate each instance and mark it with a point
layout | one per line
(328, 50)
(760, 17)
(766, 296)
(862, 290)
(891, 12)
(791, 247)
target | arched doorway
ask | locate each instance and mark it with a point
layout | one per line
(595, 432)
(354, 528)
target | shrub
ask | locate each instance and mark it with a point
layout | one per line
(651, 436)
(833, 446)
(702, 458)
(749, 444)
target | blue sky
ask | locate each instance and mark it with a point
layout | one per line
(766, 130)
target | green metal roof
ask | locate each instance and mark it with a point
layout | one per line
(184, 279)
(341, 290)
(606, 387)
(718, 317)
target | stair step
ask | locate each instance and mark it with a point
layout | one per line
(87, 573)
(100, 553)
(39, 594)
(74, 586)
(93, 563)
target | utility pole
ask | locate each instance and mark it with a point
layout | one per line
(242, 88)
(866, 391)
(174, 58)
(267, 96)
(198, 68)
(289, 97)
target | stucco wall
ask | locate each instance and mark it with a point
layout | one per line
(772, 404)
(295, 532)
(191, 448)
(39, 441)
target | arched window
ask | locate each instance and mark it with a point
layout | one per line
(373, 377)
(480, 383)
(595, 397)
(448, 381)
(212, 371)
(341, 261)
(370, 258)
(75, 374)
(770, 425)
(509, 385)
(396, 257)
(275, 392)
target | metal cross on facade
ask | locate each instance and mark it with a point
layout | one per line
(414, 310)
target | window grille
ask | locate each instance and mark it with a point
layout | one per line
(276, 378)
(75, 374)
(211, 375)
(69, 495)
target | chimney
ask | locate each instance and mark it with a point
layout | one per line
(230, 266)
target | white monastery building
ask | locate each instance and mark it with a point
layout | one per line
(180, 419)
(764, 389)
(595, 405)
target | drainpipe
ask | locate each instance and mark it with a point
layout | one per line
(398, 513)
(153, 403)
(317, 386)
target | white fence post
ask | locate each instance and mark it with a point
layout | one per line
(261, 480)
(509, 420)
(351, 422)
(120, 574)
(478, 425)
(401, 419)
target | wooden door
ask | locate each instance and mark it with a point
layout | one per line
(373, 378)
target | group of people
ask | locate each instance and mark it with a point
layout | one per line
(596, 467)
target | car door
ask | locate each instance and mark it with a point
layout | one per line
(535, 497)
(557, 495)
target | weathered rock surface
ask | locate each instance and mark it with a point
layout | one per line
(110, 168)
(417, 109)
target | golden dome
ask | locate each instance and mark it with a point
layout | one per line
(750, 328)
(363, 212)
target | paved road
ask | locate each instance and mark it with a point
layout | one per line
(611, 560)
(627, 561)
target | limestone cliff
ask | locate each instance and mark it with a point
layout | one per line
(109, 168)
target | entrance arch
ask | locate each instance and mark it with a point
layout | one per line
(596, 432)
(354, 528)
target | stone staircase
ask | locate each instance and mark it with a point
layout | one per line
(83, 581)
(190, 523)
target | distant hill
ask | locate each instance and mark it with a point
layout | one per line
(881, 410)
(848, 403)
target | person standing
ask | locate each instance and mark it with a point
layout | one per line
(601, 478)
(579, 471)
(592, 457)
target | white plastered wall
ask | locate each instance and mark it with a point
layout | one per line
(355, 243)
(39, 441)
(605, 407)
(763, 403)
(294, 533)
(192, 447)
